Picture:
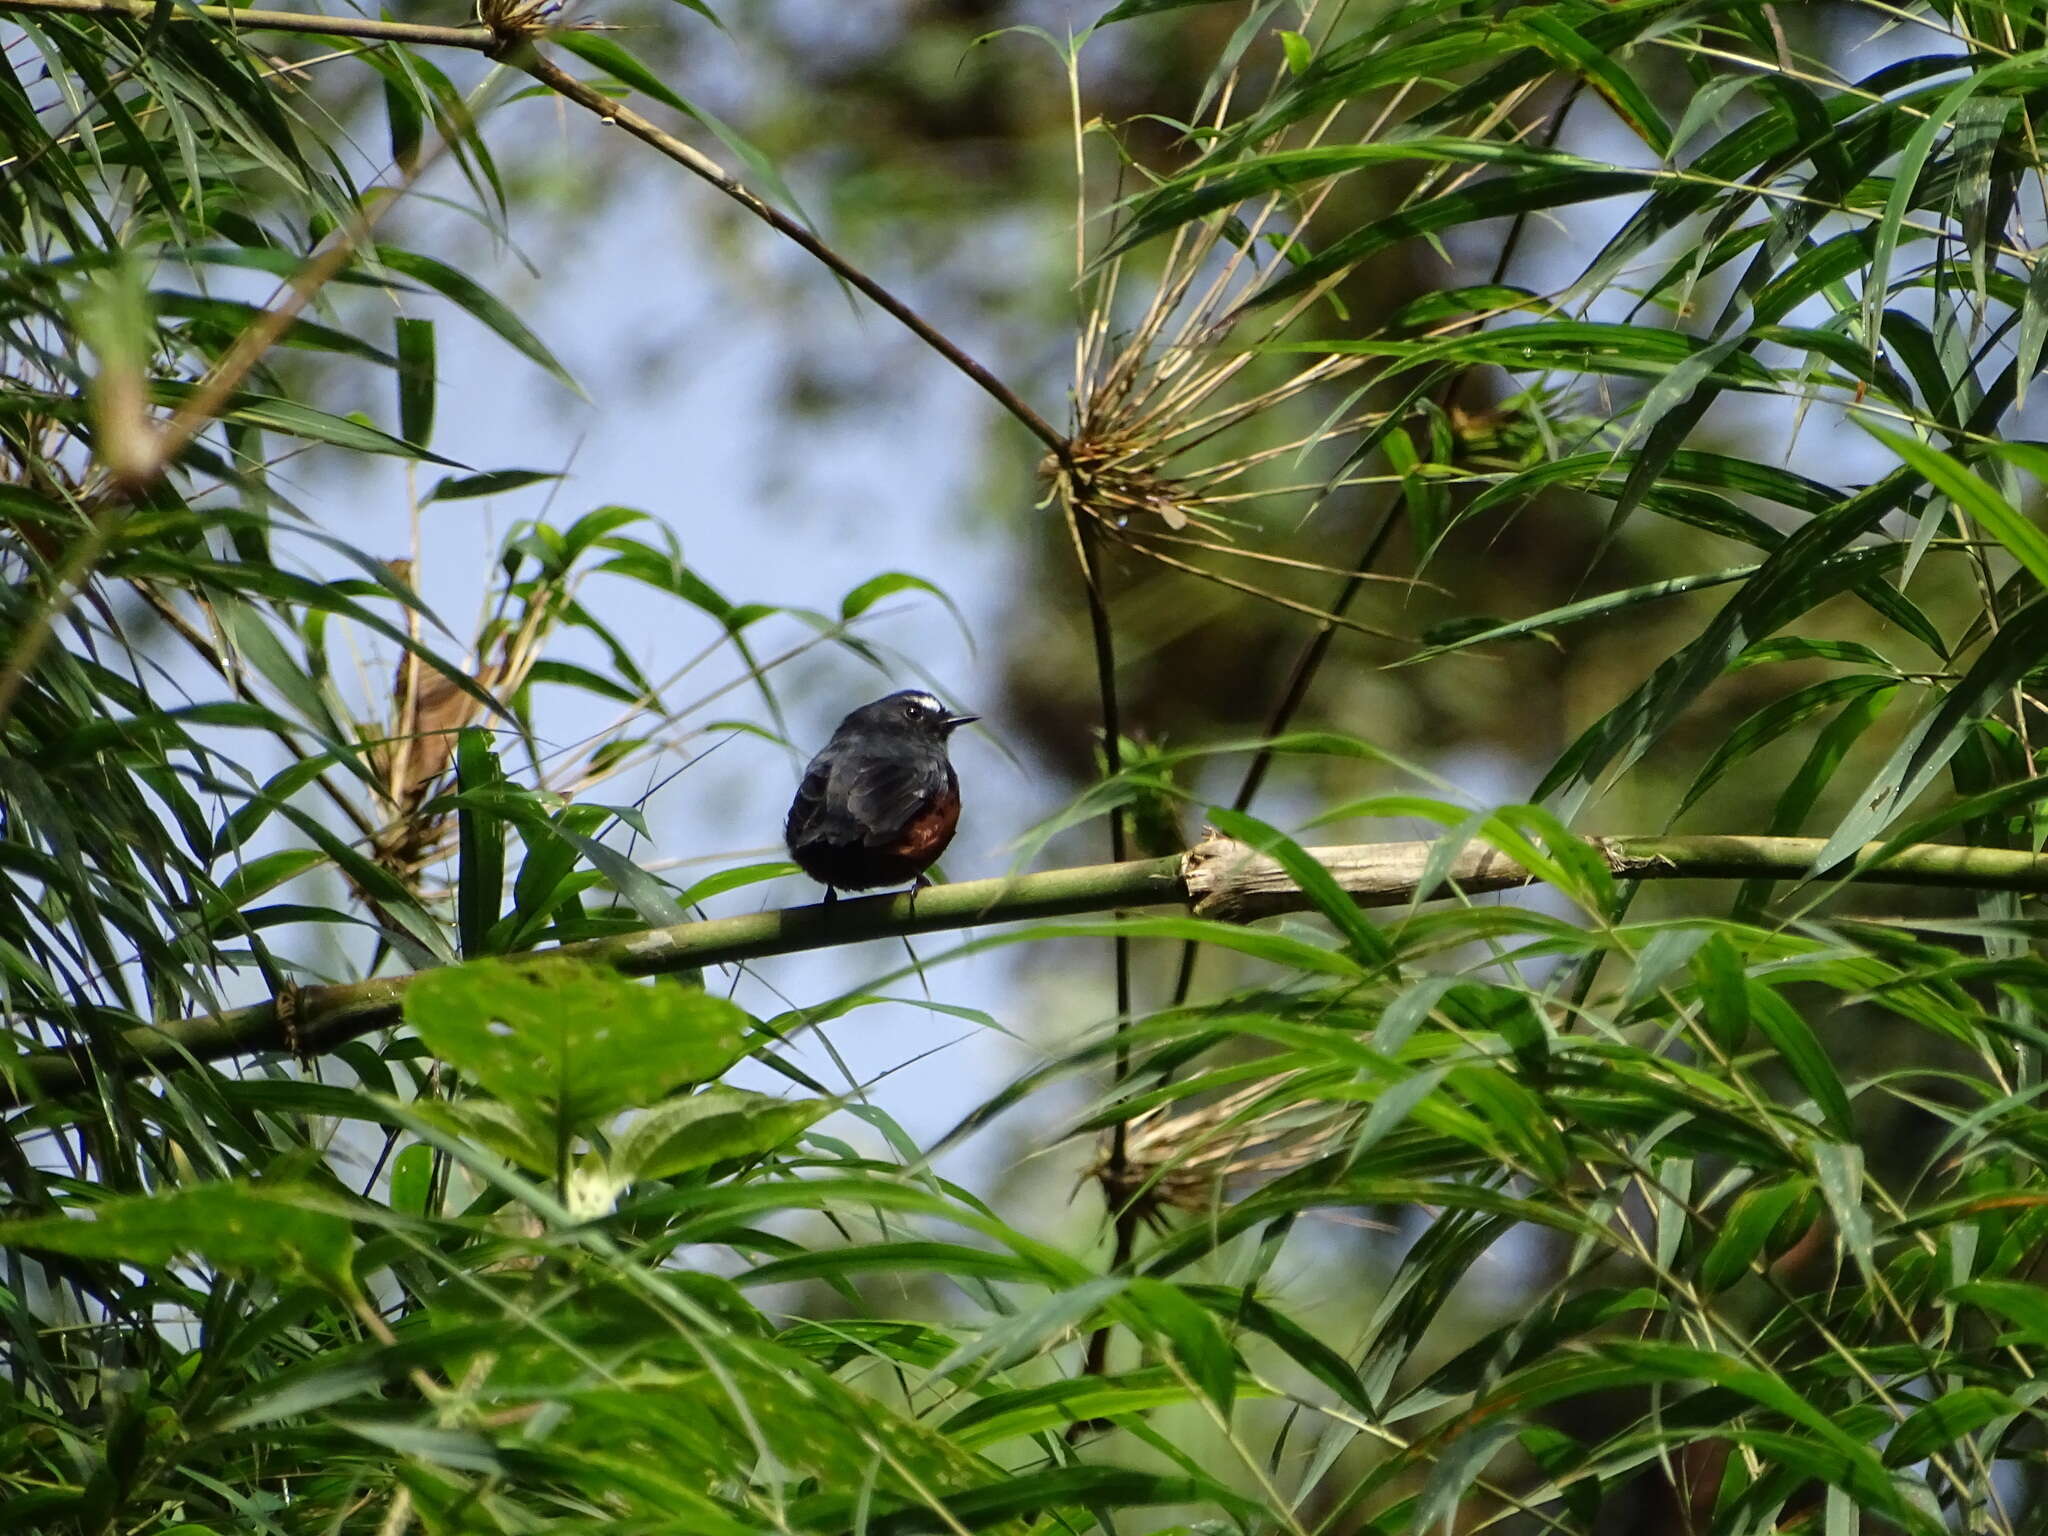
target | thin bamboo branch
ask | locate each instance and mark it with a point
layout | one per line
(521, 55)
(1218, 879)
(480, 39)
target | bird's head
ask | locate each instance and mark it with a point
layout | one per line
(912, 712)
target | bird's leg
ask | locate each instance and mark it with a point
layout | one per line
(831, 895)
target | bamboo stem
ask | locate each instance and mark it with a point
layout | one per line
(1218, 879)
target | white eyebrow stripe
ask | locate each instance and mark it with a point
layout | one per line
(928, 702)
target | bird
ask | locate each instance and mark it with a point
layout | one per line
(880, 803)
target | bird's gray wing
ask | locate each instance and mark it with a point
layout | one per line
(810, 813)
(883, 793)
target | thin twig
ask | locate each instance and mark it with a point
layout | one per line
(524, 57)
(478, 38)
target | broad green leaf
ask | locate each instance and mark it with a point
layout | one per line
(267, 1229)
(572, 1041)
(711, 1126)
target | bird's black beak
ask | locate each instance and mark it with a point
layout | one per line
(954, 722)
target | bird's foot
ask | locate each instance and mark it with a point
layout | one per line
(831, 895)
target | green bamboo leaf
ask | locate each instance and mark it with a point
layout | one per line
(610, 56)
(480, 844)
(1299, 1343)
(1363, 939)
(475, 300)
(1454, 1468)
(1205, 189)
(1813, 272)
(1368, 62)
(1658, 1361)
(301, 421)
(1020, 1496)
(2020, 1303)
(1808, 568)
(415, 379)
(714, 1125)
(1839, 1167)
(1905, 188)
(2012, 653)
(737, 878)
(1803, 791)
(1804, 648)
(1127, 10)
(1162, 1309)
(492, 482)
(1434, 309)
(1025, 1411)
(404, 121)
(1746, 1231)
(1933, 1427)
(1793, 1039)
(1528, 192)
(231, 316)
(2026, 543)
(913, 1257)
(1585, 608)
(1577, 346)
(254, 877)
(1773, 721)
(460, 1450)
(1597, 66)
(1520, 1119)
(1274, 948)
(2033, 328)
